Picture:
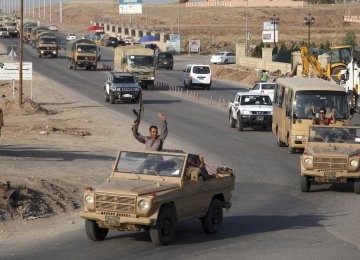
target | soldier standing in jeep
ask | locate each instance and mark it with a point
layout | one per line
(153, 142)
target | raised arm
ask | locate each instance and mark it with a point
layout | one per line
(136, 134)
(164, 129)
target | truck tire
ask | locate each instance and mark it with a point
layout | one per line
(357, 186)
(161, 234)
(240, 124)
(94, 67)
(213, 219)
(232, 121)
(305, 183)
(94, 232)
(74, 66)
(112, 98)
(291, 149)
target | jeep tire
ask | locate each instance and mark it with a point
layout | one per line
(240, 124)
(112, 97)
(305, 183)
(232, 121)
(213, 219)
(161, 234)
(94, 232)
(357, 186)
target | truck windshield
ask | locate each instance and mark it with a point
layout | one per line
(86, 48)
(47, 41)
(308, 103)
(150, 164)
(320, 134)
(140, 60)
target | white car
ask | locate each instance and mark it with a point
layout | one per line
(264, 87)
(223, 57)
(4, 32)
(197, 75)
(128, 40)
(53, 27)
(71, 36)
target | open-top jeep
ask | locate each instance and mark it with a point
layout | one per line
(152, 191)
(331, 155)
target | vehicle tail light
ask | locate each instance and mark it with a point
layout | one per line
(152, 194)
(89, 189)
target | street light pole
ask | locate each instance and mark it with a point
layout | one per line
(309, 20)
(179, 17)
(246, 26)
(275, 20)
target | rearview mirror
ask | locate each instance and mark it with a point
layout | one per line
(236, 103)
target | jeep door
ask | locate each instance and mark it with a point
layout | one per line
(192, 198)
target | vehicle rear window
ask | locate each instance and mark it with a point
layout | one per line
(124, 79)
(165, 56)
(112, 39)
(268, 86)
(3, 29)
(201, 69)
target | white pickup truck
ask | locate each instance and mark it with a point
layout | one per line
(250, 109)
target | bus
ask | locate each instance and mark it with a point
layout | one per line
(297, 102)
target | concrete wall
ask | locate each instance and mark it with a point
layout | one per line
(250, 3)
(264, 63)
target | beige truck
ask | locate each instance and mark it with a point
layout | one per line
(81, 53)
(138, 61)
(46, 44)
(35, 32)
(152, 191)
(331, 155)
(27, 28)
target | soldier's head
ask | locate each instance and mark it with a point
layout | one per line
(153, 130)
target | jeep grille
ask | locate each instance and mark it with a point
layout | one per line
(330, 163)
(118, 203)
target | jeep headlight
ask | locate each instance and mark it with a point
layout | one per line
(354, 164)
(89, 199)
(308, 162)
(143, 204)
(245, 112)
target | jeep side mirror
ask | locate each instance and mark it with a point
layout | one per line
(236, 103)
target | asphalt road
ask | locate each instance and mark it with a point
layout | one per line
(270, 217)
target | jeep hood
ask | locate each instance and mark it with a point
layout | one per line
(333, 150)
(135, 187)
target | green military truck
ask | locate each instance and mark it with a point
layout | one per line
(152, 191)
(138, 61)
(46, 44)
(81, 53)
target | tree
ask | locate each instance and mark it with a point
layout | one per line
(350, 39)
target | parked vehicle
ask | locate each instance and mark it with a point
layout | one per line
(111, 41)
(137, 60)
(264, 87)
(4, 32)
(71, 36)
(164, 60)
(223, 57)
(153, 191)
(121, 86)
(81, 53)
(250, 109)
(331, 156)
(53, 27)
(197, 76)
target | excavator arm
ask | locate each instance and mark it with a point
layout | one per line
(309, 59)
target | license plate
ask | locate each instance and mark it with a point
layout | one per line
(112, 220)
(127, 95)
(165, 62)
(330, 175)
(260, 118)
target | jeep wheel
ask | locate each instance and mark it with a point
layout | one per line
(213, 219)
(190, 85)
(94, 232)
(305, 183)
(240, 124)
(232, 121)
(162, 233)
(112, 98)
(278, 141)
(357, 186)
(107, 97)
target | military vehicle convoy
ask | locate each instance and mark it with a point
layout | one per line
(138, 61)
(27, 28)
(81, 53)
(152, 191)
(35, 32)
(46, 44)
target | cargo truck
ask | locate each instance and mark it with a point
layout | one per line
(81, 53)
(47, 45)
(138, 61)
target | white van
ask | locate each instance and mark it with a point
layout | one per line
(197, 75)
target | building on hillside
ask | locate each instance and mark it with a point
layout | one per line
(244, 3)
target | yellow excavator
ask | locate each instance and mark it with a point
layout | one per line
(340, 56)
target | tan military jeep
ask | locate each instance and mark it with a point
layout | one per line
(152, 191)
(331, 155)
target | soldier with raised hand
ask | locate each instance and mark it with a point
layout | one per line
(153, 142)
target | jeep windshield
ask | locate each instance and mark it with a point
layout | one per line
(124, 79)
(255, 100)
(140, 60)
(150, 164)
(328, 134)
(308, 103)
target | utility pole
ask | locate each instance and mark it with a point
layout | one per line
(50, 11)
(21, 50)
(309, 20)
(246, 26)
(39, 8)
(179, 17)
(61, 12)
(44, 10)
